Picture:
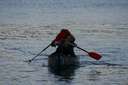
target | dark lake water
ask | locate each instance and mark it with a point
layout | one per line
(28, 26)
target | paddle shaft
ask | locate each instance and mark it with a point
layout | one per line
(75, 45)
(82, 49)
(93, 55)
(39, 53)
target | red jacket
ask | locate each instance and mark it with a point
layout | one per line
(61, 36)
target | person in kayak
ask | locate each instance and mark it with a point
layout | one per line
(64, 54)
(64, 40)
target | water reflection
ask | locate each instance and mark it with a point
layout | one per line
(64, 72)
(93, 75)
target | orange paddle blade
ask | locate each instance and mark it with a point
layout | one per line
(94, 55)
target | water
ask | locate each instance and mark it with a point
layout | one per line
(47, 12)
(27, 26)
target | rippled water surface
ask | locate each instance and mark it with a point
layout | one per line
(28, 26)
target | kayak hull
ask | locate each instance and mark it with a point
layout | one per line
(56, 59)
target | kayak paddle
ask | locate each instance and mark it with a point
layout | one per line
(38, 54)
(91, 54)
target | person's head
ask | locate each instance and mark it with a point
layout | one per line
(65, 31)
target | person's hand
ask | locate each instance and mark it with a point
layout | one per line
(53, 44)
(74, 44)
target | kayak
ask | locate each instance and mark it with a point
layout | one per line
(57, 59)
(63, 65)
